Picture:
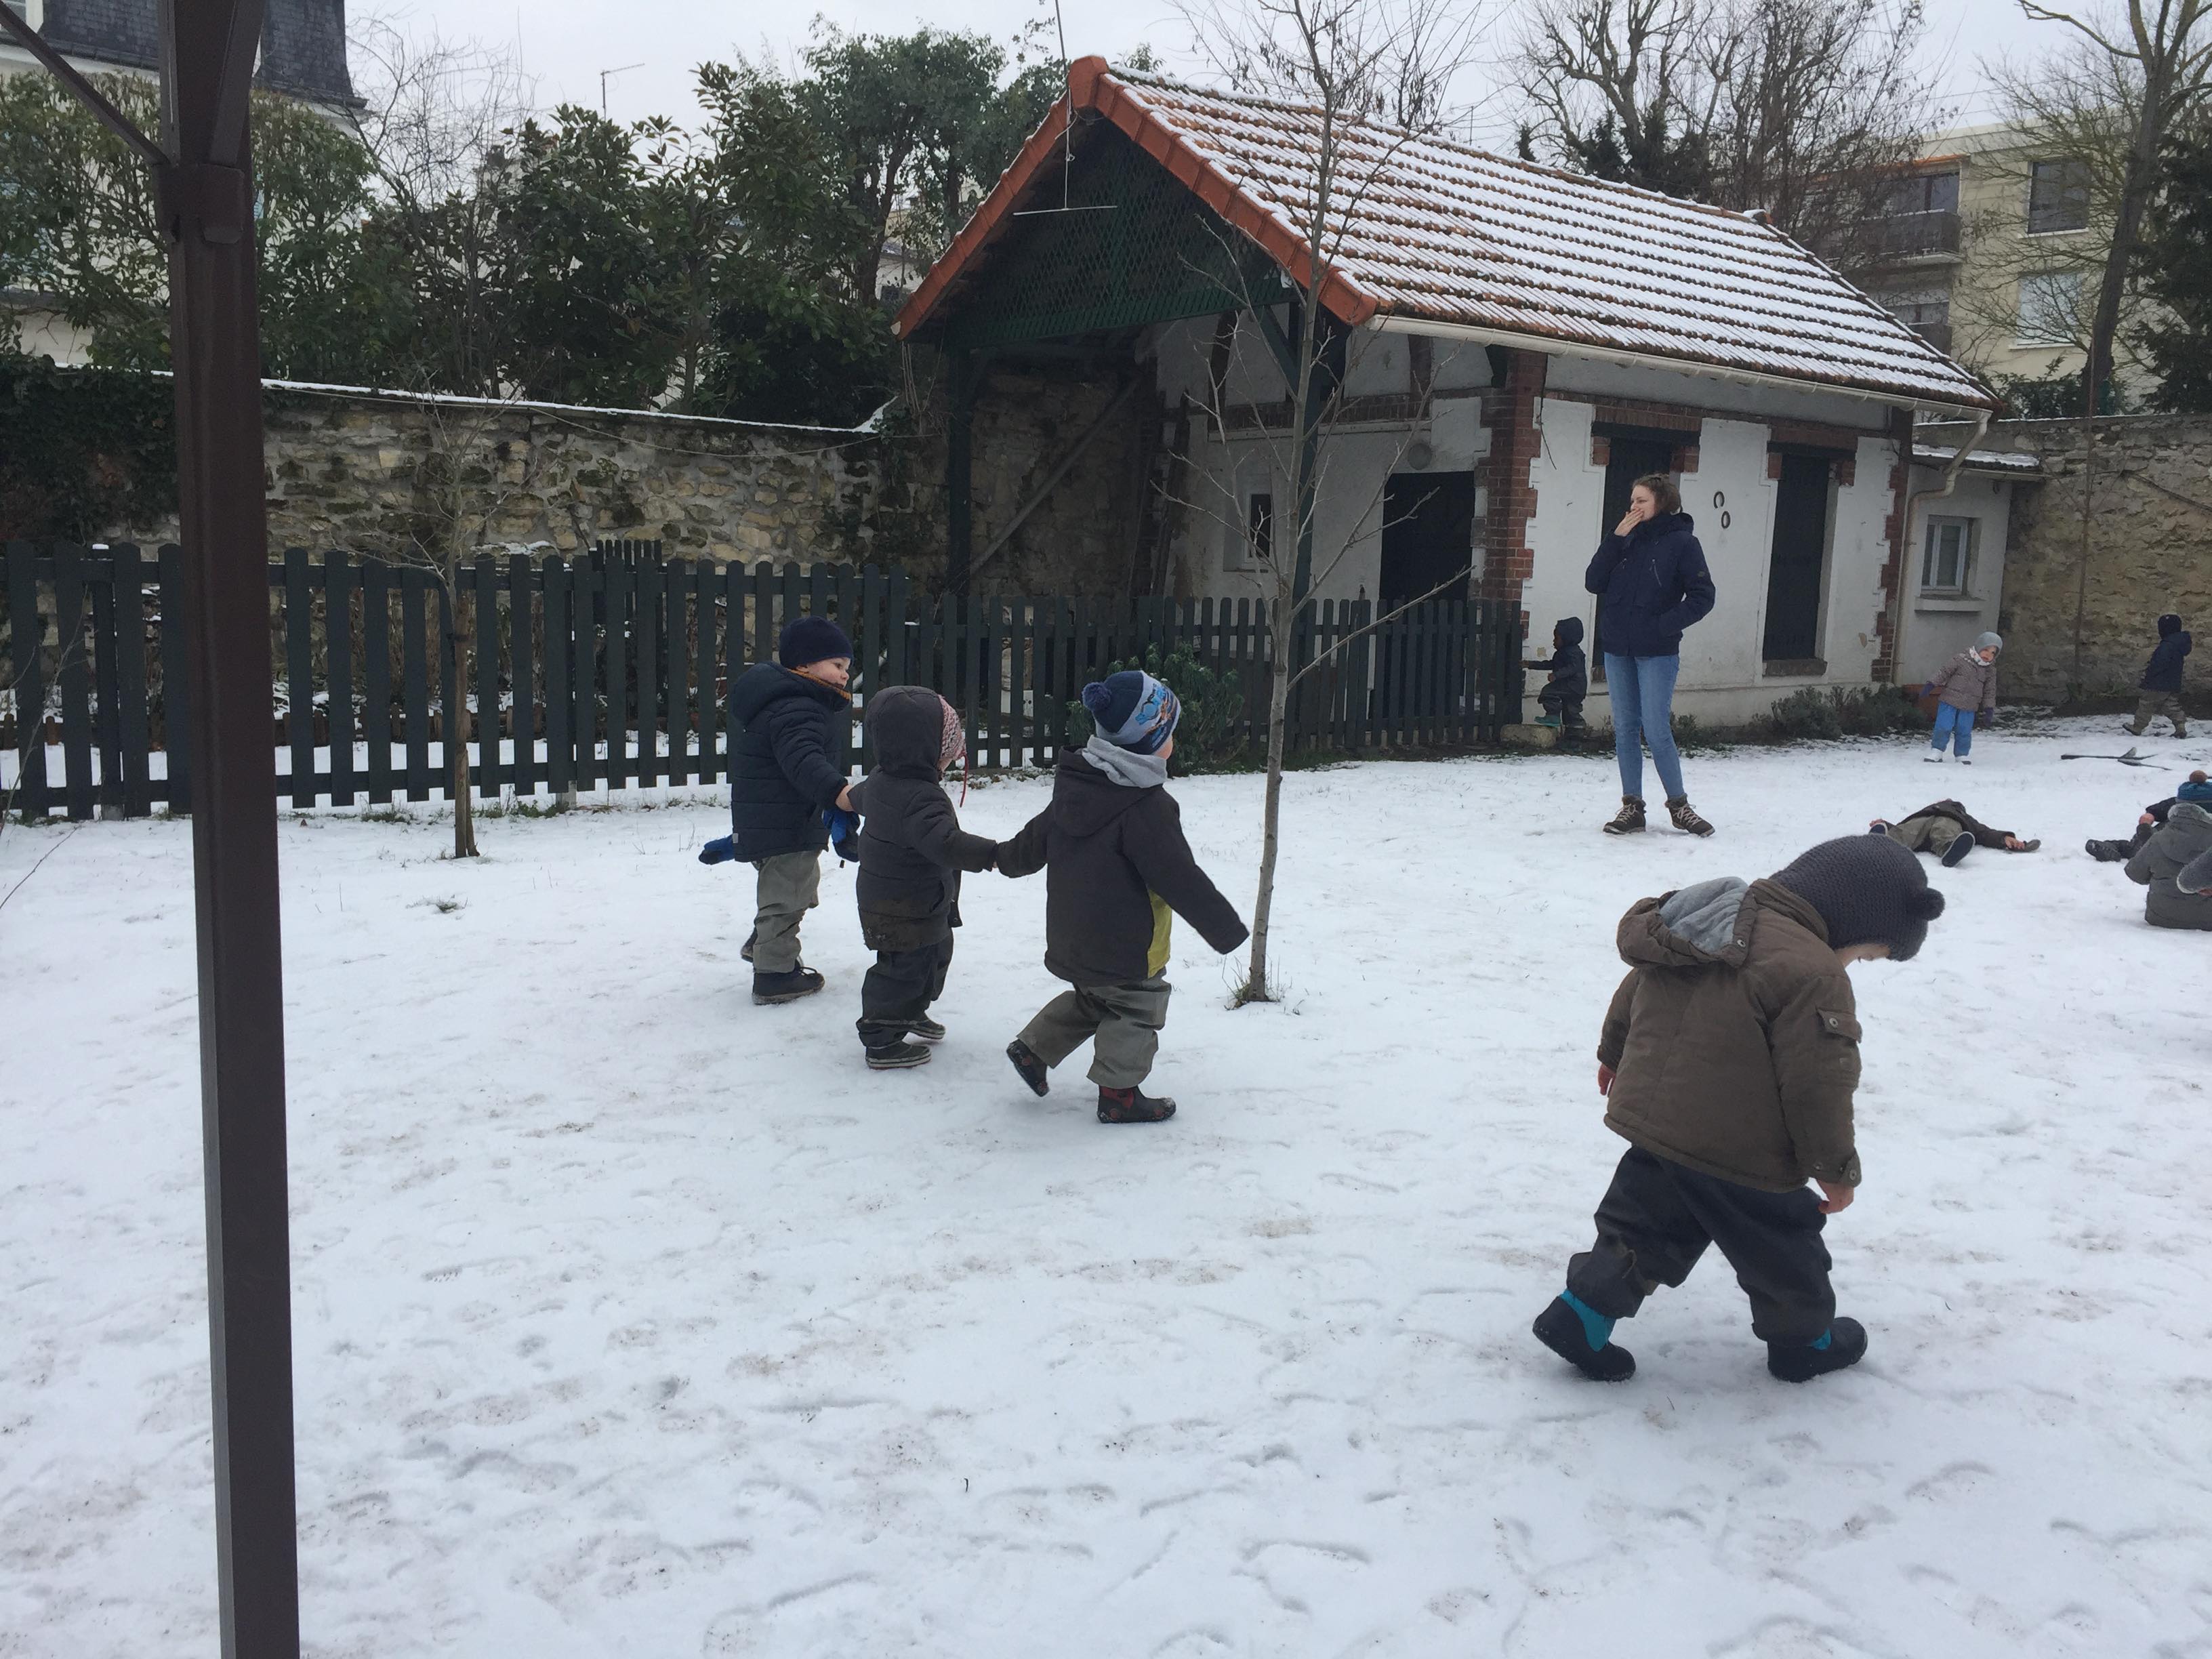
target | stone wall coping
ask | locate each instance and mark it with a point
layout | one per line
(868, 429)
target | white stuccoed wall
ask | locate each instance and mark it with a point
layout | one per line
(1723, 679)
(1936, 629)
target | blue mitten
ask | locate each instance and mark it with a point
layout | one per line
(720, 850)
(844, 832)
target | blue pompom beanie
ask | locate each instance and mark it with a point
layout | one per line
(811, 639)
(1133, 710)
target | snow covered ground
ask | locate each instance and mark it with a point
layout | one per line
(632, 1319)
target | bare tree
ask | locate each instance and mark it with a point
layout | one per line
(472, 468)
(432, 111)
(1352, 65)
(1805, 108)
(2140, 70)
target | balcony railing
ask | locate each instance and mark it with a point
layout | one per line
(1911, 235)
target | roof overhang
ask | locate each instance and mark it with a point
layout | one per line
(1091, 91)
(1553, 346)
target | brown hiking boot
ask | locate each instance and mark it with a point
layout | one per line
(1629, 821)
(1133, 1106)
(1686, 817)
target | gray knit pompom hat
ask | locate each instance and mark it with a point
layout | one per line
(1868, 890)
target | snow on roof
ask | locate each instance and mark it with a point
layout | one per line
(1979, 460)
(1437, 231)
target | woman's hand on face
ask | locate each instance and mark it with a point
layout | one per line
(1636, 513)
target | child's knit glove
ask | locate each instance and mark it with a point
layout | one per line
(720, 850)
(844, 832)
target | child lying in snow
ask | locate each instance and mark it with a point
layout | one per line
(1950, 832)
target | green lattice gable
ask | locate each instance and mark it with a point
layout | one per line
(1138, 249)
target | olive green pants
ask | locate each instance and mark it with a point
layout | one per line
(790, 886)
(1930, 835)
(1121, 1023)
(2152, 704)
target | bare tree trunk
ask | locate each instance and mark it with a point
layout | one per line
(1256, 988)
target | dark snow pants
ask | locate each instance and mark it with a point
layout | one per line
(1655, 1220)
(898, 990)
(1552, 700)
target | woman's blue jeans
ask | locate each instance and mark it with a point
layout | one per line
(1957, 723)
(1643, 691)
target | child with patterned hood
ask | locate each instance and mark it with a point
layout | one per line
(1117, 868)
(912, 852)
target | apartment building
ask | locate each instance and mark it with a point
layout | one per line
(1989, 250)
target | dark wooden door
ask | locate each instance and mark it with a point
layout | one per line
(1428, 535)
(1799, 555)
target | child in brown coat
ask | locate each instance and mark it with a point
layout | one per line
(1966, 689)
(1729, 1061)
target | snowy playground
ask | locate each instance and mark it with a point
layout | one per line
(634, 1319)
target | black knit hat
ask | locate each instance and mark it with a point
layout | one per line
(811, 639)
(1868, 890)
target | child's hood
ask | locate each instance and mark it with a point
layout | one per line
(1568, 630)
(1711, 922)
(907, 725)
(765, 683)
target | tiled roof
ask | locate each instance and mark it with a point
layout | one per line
(303, 47)
(1441, 232)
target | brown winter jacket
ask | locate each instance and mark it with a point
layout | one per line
(1968, 684)
(1735, 1038)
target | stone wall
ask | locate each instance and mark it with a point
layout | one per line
(346, 468)
(2149, 548)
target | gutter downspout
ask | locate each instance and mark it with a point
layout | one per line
(1952, 468)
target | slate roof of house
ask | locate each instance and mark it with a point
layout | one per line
(1441, 232)
(303, 44)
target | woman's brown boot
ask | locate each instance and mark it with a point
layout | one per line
(1629, 821)
(1686, 817)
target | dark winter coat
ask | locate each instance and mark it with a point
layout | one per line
(2187, 834)
(783, 769)
(912, 847)
(1654, 584)
(2163, 672)
(1116, 864)
(1568, 664)
(1983, 834)
(1735, 1038)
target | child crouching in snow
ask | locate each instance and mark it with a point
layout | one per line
(912, 852)
(1729, 1060)
(1116, 864)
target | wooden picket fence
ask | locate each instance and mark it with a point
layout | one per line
(609, 671)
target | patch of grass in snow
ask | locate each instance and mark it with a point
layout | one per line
(444, 906)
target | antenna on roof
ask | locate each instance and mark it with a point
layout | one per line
(1067, 140)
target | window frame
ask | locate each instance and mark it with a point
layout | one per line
(2023, 335)
(2064, 169)
(1970, 541)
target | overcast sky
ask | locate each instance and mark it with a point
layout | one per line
(565, 44)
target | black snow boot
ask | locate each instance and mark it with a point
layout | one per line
(1034, 1070)
(898, 1057)
(1802, 1361)
(1955, 854)
(2109, 852)
(924, 1028)
(1560, 1328)
(800, 981)
(1133, 1106)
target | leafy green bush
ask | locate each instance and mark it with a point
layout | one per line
(1206, 739)
(1860, 711)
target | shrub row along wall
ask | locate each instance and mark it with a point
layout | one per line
(2148, 549)
(612, 671)
(87, 456)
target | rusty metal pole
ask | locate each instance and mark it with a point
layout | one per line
(208, 50)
